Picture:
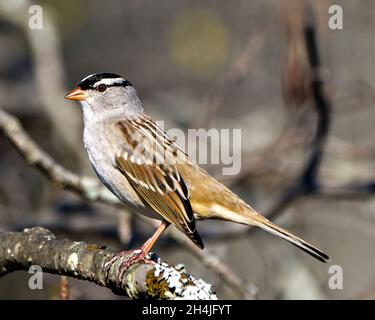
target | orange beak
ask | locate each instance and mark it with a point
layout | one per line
(76, 94)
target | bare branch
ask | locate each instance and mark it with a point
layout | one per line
(87, 187)
(157, 280)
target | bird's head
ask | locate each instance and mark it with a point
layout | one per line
(104, 92)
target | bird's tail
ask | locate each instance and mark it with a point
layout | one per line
(253, 218)
(298, 242)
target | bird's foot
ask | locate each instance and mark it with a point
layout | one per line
(136, 256)
(132, 257)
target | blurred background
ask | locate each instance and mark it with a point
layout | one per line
(307, 164)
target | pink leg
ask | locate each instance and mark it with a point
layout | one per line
(139, 255)
(146, 247)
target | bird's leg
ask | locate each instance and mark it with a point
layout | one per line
(140, 254)
(146, 247)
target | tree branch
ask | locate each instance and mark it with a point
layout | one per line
(38, 246)
(86, 187)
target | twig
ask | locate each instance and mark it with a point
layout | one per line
(157, 280)
(86, 187)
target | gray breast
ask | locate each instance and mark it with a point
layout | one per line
(101, 157)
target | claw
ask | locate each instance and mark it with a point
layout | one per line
(136, 256)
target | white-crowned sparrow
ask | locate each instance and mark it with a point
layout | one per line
(145, 169)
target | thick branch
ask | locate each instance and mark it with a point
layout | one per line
(38, 246)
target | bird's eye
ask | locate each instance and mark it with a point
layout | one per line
(101, 87)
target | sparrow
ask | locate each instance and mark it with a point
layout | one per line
(138, 162)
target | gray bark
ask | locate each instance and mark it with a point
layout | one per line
(154, 279)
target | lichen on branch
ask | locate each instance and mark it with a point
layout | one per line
(150, 279)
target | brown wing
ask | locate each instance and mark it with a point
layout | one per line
(150, 169)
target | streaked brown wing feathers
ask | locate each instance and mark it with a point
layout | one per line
(158, 183)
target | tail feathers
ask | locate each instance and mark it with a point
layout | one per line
(298, 242)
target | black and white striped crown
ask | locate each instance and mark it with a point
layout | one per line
(109, 79)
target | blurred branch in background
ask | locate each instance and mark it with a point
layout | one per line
(307, 181)
(237, 71)
(150, 279)
(49, 75)
(296, 79)
(304, 93)
(89, 188)
(92, 190)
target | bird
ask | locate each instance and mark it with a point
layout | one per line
(147, 171)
